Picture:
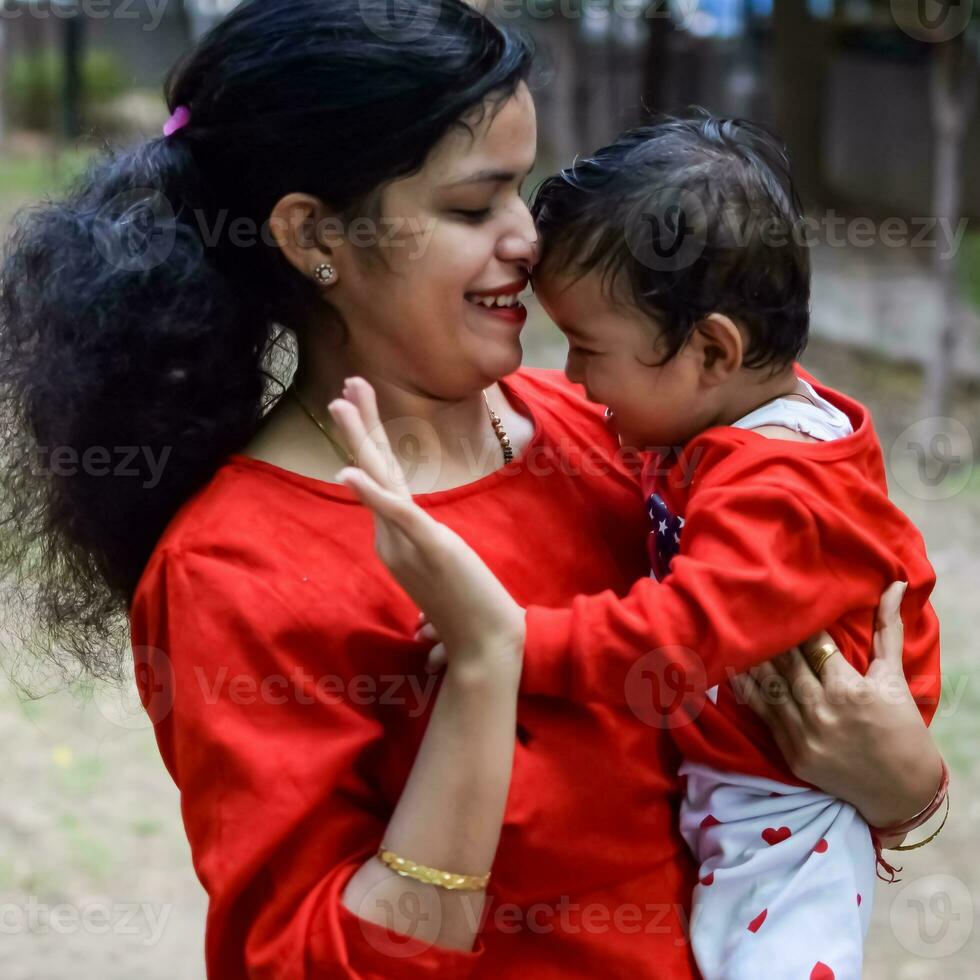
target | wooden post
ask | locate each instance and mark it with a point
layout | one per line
(72, 40)
(953, 91)
(3, 82)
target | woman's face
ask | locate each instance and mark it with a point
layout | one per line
(457, 227)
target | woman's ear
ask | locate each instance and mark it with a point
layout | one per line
(310, 237)
(717, 344)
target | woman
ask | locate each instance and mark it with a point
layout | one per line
(384, 167)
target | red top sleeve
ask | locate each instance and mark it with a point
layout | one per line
(769, 556)
(270, 766)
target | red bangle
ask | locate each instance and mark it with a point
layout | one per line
(901, 829)
(920, 818)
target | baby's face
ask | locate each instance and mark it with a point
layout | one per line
(615, 352)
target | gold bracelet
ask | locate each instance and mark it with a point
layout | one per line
(931, 837)
(432, 876)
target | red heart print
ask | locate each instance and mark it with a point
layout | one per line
(709, 821)
(822, 846)
(772, 835)
(756, 923)
(708, 879)
(859, 898)
(821, 972)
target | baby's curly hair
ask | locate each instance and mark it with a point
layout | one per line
(133, 331)
(686, 216)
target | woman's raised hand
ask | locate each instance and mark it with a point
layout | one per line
(477, 621)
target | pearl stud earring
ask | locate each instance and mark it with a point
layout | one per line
(325, 273)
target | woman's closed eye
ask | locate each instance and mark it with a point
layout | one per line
(475, 215)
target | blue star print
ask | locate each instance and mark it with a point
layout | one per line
(665, 536)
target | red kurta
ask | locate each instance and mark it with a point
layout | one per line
(273, 653)
(778, 540)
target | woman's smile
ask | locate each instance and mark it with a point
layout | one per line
(502, 303)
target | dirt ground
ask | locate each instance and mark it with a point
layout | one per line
(95, 875)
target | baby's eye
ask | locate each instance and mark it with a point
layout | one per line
(585, 351)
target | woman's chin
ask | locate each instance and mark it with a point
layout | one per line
(498, 360)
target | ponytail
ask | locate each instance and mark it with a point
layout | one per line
(130, 365)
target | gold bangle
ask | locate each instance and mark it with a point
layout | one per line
(432, 876)
(931, 837)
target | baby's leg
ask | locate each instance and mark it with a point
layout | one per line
(787, 878)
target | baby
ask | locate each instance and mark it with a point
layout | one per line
(673, 263)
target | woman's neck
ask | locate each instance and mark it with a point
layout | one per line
(440, 443)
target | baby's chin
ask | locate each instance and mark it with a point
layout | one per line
(639, 441)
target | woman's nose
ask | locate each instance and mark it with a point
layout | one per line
(521, 243)
(517, 248)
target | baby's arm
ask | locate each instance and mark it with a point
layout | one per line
(762, 567)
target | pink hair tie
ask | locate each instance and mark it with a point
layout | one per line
(180, 118)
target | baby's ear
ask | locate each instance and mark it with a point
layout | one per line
(718, 346)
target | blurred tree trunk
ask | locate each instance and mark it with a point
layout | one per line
(799, 66)
(584, 89)
(656, 62)
(186, 24)
(3, 83)
(73, 39)
(565, 135)
(953, 90)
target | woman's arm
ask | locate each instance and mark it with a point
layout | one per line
(451, 810)
(859, 738)
(449, 814)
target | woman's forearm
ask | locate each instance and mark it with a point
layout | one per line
(450, 812)
(907, 783)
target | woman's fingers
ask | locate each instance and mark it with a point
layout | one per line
(777, 694)
(397, 510)
(437, 659)
(361, 393)
(804, 686)
(747, 691)
(427, 632)
(365, 451)
(425, 539)
(889, 638)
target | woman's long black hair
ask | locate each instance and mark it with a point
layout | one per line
(137, 319)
